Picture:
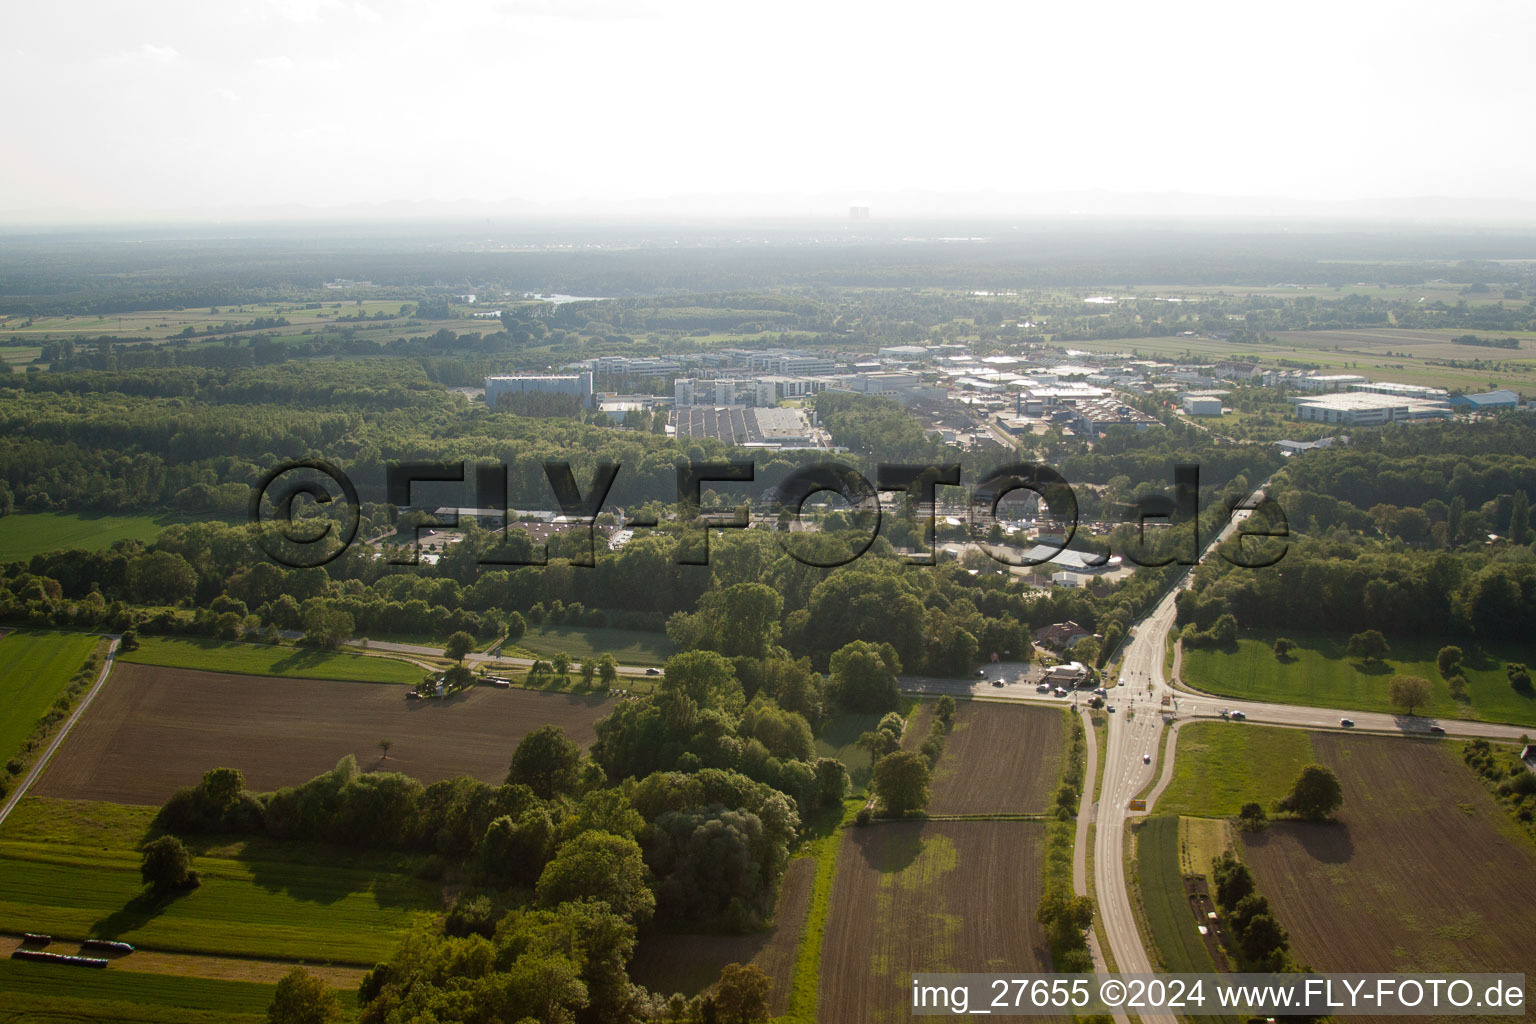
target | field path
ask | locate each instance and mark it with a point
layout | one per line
(201, 965)
(58, 739)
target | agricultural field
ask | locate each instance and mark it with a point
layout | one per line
(691, 963)
(928, 896)
(270, 660)
(71, 869)
(1169, 916)
(1423, 870)
(35, 667)
(628, 646)
(1320, 674)
(152, 730)
(24, 534)
(998, 759)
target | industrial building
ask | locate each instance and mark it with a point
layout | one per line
(1362, 409)
(1094, 415)
(1202, 405)
(1329, 382)
(745, 426)
(1488, 401)
(1385, 387)
(577, 384)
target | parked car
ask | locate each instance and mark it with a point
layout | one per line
(981, 673)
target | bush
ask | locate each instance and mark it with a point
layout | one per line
(864, 817)
(1252, 817)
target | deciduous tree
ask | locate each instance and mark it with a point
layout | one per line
(1315, 795)
(901, 782)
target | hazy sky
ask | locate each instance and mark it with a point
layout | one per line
(117, 106)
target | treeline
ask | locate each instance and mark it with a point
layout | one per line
(1473, 339)
(938, 619)
(1339, 584)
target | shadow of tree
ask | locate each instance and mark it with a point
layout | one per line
(133, 915)
(891, 847)
(340, 877)
(1325, 842)
(301, 658)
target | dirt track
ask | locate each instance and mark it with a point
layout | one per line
(152, 730)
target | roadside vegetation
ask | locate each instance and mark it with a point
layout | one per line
(270, 660)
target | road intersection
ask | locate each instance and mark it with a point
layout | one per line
(1135, 733)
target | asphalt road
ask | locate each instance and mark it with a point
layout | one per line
(1136, 728)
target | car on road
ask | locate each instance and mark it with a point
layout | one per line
(1238, 716)
(1146, 758)
(653, 671)
(1438, 730)
(1348, 723)
(998, 682)
(1043, 688)
(1061, 691)
(1100, 691)
(1111, 708)
(981, 673)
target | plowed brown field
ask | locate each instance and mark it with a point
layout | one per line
(152, 730)
(934, 896)
(998, 759)
(1423, 871)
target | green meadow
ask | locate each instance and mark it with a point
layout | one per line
(271, 660)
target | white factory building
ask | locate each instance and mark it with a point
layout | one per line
(1363, 409)
(577, 384)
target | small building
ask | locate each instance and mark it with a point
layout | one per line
(1289, 448)
(1066, 579)
(1072, 674)
(1197, 405)
(1060, 635)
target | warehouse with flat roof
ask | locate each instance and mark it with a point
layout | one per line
(1362, 409)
